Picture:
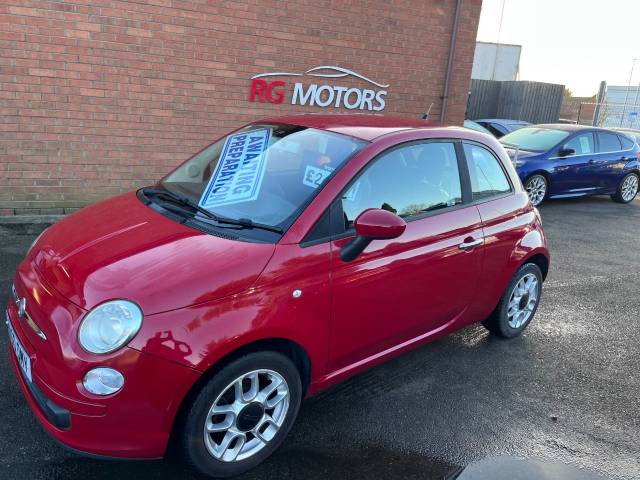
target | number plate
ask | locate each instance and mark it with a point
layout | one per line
(21, 353)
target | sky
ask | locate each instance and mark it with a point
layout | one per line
(576, 43)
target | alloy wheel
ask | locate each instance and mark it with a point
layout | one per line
(536, 189)
(523, 300)
(629, 188)
(247, 415)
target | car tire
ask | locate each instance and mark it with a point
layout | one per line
(537, 188)
(205, 451)
(627, 189)
(517, 307)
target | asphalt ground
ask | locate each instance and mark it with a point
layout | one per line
(567, 390)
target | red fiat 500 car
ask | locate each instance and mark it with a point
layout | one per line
(281, 259)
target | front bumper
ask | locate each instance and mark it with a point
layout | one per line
(136, 422)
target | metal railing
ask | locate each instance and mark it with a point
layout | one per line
(609, 115)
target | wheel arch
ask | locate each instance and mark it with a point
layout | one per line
(539, 171)
(540, 260)
(289, 348)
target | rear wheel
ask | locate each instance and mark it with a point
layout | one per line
(242, 415)
(518, 304)
(627, 189)
(536, 187)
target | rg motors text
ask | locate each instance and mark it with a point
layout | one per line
(318, 95)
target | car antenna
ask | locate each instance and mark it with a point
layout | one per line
(426, 115)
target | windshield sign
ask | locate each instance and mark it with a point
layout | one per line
(534, 139)
(240, 170)
(263, 173)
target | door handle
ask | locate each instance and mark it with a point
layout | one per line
(471, 244)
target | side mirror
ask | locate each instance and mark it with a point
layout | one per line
(565, 152)
(372, 224)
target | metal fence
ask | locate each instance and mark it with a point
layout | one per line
(609, 115)
(534, 102)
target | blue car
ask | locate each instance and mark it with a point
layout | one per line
(501, 126)
(470, 124)
(558, 161)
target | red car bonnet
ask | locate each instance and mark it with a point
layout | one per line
(120, 248)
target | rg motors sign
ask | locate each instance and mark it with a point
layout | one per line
(263, 89)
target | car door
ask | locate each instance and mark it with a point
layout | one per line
(611, 160)
(503, 222)
(420, 282)
(575, 174)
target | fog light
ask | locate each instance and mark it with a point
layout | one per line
(103, 381)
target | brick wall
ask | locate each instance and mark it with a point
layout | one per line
(98, 97)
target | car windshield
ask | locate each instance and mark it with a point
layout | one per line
(516, 126)
(534, 139)
(264, 173)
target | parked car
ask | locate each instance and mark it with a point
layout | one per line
(630, 132)
(470, 124)
(281, 259)
(555, 161)
(501, 126)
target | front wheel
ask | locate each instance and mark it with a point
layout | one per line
(518, 304)
(242, 415)
(536, 187)
(627, 190)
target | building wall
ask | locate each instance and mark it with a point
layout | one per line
(99, 97)
(494, 61)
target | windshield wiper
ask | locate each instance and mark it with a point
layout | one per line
(177, 198)
(248, 223)
(241, 222)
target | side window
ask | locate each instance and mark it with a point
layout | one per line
(608, 142)
(407, 181)
(627, 143)
(497, 130)
(582, 144)
(486, 174)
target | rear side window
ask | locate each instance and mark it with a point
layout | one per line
(407, 181)
(627, 143)
(497, 130)
(486, 174)
(608, 142)
(582, 144)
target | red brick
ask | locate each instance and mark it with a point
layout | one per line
(92, 92)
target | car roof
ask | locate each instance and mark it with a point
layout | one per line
(628, 130)
(502, 120)
(363, 126)
(569, 127)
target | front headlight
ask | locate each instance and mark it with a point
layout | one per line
(110, 326)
